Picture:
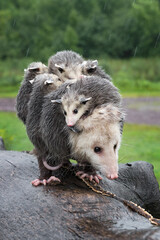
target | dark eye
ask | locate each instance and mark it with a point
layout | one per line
(61, 70)
(114, 147)
(59, 79)
(75, 111)
(65, 113)
(97, 149)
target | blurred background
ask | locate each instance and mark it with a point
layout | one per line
(123, 35)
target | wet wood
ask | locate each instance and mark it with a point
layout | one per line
(71, 210)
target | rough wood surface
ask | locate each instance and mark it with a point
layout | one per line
(71, 210)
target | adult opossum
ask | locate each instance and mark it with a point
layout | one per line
(53, 128)
(67, 65)
(25, 90)
(86, 94)
(98, 142)
(43, 84)
(90, 67)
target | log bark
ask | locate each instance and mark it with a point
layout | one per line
(71, 210)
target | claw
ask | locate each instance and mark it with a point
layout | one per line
(53, 179)
(37, 182)
(96, 179)
(90, 178)
(44, 182)
(83, 175)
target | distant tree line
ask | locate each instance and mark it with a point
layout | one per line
(94, 28)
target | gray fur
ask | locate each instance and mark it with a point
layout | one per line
(40, 89)
(98, 89)
(25, 90)
(53, 128)
(66, 60)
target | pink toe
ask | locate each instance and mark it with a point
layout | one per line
(91, 178)
(96, 179)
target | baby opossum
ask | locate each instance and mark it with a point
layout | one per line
(66, 65)
(86, 94)
(23, 96)
(69, 65)
(90, 67)
(43, 84)
(98, 142)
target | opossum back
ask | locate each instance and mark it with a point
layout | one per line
(53, 126)
(101, 90)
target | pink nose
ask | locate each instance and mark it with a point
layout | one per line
(112, 176)
(70, 124)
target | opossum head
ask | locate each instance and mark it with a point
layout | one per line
(74, 107)
(48, 82)
(34, 69)
(100, 140)
(89, 67)
(67, 72)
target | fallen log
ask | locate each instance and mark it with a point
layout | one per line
(71, 210)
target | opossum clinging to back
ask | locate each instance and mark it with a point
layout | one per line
(66, 65)
(25, 90)
(99, 141)
(43, 84)
(91, 68)
(69, 65)
(86, 94)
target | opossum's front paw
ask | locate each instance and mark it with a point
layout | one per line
(95, 177)
(44, 182)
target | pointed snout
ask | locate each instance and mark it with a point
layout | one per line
(112, 176)
(70, 122)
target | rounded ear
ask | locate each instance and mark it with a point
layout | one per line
(84, 100)
(56, 101)
(94, 63)
(59, 67)
(48, 81)
(31, 81)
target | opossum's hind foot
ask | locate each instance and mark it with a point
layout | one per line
(95, 177)
(51, 180)
(38, 182)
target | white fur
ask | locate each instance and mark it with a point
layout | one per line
(101, 129)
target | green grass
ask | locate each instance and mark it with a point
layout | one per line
(139, 142)
(9, 91)
(13, 132)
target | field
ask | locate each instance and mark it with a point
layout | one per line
(139, 142)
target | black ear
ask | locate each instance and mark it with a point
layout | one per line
(60, 68)
(34, 69)
(84, 100)
(93, 67)
(56, 101)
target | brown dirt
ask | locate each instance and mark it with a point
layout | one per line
(138, 110)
